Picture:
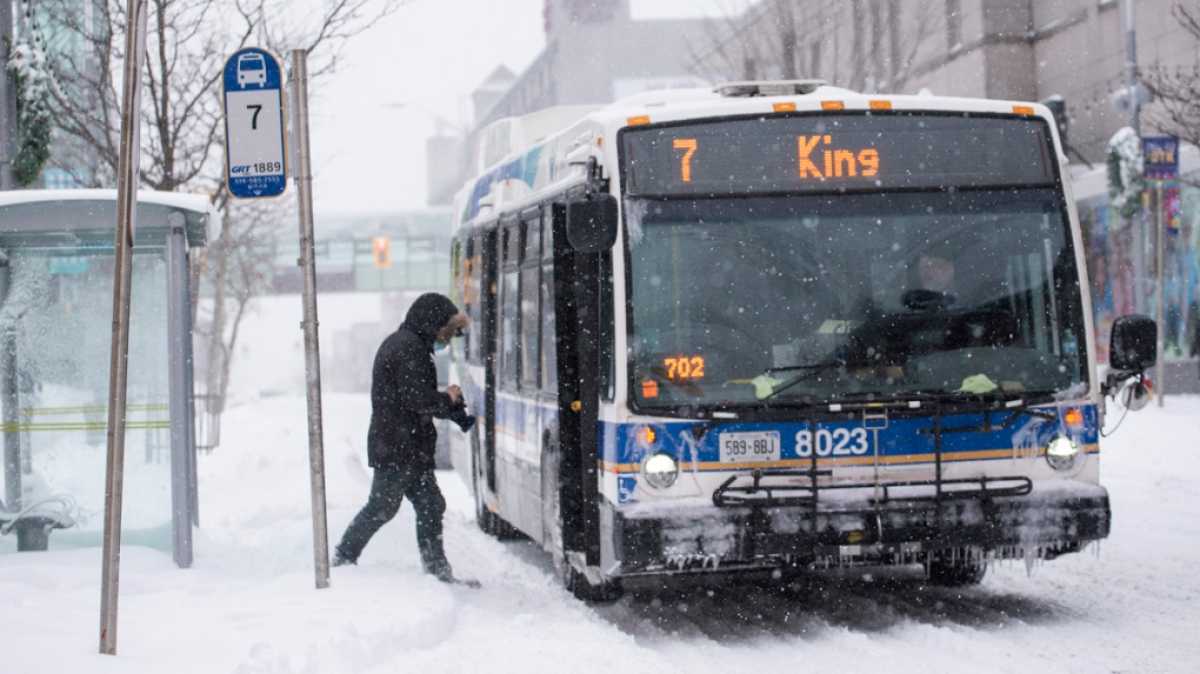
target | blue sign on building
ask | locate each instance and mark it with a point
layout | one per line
(1161, 156)
(256, 161)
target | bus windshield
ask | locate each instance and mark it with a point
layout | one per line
(845, 297)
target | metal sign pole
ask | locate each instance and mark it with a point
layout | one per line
(312, 353)
(127, 179)
(1159, 309)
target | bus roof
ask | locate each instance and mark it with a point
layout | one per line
(542, 160)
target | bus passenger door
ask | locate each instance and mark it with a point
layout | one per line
(488, 301)
(579, 396)
(571, 504)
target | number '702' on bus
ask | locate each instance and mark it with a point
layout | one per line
(775, 327)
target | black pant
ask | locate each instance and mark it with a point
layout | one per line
(388, 488)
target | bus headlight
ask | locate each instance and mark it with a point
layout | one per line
(660, 471)
(1061, 453)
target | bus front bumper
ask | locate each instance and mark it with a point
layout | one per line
(665, 538)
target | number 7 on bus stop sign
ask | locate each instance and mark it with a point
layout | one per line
(255, 160)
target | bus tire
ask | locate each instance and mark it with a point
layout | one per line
(956, 573)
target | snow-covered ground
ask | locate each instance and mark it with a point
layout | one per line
(248, 605)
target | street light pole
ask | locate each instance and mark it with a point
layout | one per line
(1131, 73)
(1131, 77)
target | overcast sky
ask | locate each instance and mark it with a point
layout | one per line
(429, 55)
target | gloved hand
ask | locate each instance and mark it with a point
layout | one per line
(459, 416)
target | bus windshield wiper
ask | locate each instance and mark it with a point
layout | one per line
(809, 370)
(1020, 398)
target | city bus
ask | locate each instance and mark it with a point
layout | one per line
(773, 328)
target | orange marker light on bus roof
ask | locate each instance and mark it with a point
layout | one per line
(880, 104)
(784, 107)
(640, 120)
(833, 105)
(649, 389)
(1073, 417)
(1023, 110)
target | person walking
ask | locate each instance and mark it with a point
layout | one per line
(402, 438)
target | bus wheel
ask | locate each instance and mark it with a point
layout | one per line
(956, 573)
(582, 589)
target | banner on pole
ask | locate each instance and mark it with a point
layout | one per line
(1161, 157)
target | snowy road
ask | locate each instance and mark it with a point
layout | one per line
(248, 605)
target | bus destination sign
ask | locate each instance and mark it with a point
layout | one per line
(836, 152)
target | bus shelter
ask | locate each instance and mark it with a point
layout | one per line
(56, 297)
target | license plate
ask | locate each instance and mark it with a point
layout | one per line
(747, 447)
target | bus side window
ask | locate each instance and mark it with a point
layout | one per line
(530, 296)
(473, 278)
(458, 290)
(509, 364)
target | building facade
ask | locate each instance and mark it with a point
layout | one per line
(595, 53)
(1008, 49)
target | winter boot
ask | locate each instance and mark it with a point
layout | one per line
(438, 566)
(339, 560)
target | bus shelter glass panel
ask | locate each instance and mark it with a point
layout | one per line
(60, 305)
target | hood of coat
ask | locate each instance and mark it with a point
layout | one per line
(429, 314)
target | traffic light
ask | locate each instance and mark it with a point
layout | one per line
(381, 252)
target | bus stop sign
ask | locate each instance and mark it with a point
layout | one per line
(255, 160)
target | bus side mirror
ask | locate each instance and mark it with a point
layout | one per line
(592, 223)
(1133, 345)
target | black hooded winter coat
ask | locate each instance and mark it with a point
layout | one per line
(404, 395)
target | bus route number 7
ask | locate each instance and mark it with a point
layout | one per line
(688, 145)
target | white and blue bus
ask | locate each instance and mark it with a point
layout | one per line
(781, 326)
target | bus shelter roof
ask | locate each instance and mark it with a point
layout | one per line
(80, 220)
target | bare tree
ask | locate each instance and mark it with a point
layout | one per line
(770, 38)
(1176, 88)
(239, 258)
(187, 44)
(181, 116)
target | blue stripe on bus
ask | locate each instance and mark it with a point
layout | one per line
(901, 437)
(525, 419)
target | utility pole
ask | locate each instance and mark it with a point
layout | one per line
(127, 180)
(8, 98)
(312, 352)
(1131, 73)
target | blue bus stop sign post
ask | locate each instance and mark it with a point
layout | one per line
(255, 159)
(1161, 156)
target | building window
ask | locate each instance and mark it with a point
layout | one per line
(953, 24)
